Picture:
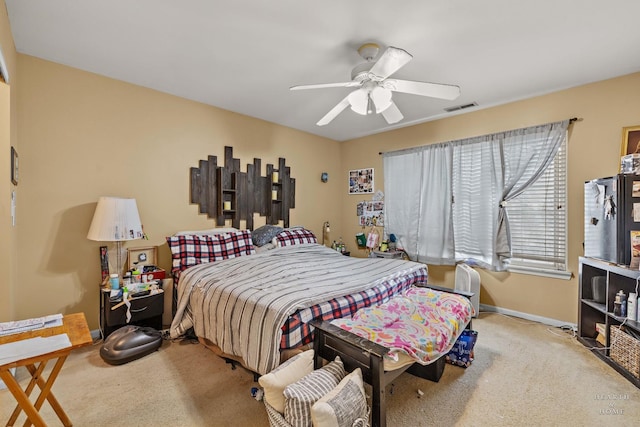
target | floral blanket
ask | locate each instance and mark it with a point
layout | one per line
(421, 322)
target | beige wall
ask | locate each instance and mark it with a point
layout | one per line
(8, 137)
(84, 136)
(593, 151)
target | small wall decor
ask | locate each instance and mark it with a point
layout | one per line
(361, 181)
(14, 166)
(371, 214)
(630, 140)
(225, 192)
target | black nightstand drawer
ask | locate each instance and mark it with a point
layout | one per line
(141, 308)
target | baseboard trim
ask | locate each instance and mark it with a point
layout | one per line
(544, 320)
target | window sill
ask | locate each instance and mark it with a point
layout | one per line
(555, 274)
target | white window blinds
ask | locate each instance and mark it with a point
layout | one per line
(537, 218)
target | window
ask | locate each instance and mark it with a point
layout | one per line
(538, 219)
(497, 200)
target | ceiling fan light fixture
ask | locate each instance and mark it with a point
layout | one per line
(371, 106)
(381, 98)
(359, 101)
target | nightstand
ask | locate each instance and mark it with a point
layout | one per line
(145, 311)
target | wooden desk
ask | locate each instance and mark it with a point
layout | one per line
(75, 326)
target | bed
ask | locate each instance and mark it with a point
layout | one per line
(357, 350)
(250, 305)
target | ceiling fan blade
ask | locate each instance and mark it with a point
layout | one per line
(391, 61)
(392, 114)
(325, 85)
(334, 112)
(434, 90)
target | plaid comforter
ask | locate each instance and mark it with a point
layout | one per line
(241, 304)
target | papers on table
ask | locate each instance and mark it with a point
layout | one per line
(32, 347)
(7, 328)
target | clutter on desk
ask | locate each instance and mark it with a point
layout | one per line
(17, 326)
(143, 274)
(339, 246)
(134, 290)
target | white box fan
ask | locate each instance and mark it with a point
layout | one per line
(468, 280)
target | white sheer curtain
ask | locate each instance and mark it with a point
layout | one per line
(479, 175)
(476, 171)
(418, 202)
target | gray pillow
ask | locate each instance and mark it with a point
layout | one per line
(265, 234)
(301, 395)
(344, 406)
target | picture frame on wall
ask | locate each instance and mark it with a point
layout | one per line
(142, 256)
(14, 166)
(361, 181)
(4, 73)
(630, 140)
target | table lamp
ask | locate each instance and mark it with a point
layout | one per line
(116, 220)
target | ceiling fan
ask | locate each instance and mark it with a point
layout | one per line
(374, 88)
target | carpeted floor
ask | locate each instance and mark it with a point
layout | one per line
(524, 373)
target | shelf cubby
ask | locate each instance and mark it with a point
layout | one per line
(591, 312)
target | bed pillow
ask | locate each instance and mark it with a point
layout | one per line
(295, 236)
(343, 405)
(289, 372)
(190, 250)
(300, 396)
(265, 234)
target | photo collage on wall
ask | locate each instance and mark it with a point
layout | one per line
(361, 181)
(371, 213)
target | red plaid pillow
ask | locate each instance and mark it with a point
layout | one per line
(295, 236)
(189, 250)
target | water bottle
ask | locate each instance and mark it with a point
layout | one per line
(623, 303)
(632, 308)
(114, 280)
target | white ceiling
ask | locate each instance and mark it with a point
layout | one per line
(243, 55)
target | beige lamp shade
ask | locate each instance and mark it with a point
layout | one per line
(115, 219)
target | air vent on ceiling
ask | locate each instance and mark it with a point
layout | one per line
(460, 107)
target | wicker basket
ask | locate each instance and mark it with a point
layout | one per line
(625, 351)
